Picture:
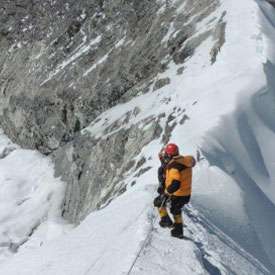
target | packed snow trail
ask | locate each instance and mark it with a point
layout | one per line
(216, 252)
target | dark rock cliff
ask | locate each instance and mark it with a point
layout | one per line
(62, 63)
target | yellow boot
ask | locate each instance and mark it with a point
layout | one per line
(165, 220)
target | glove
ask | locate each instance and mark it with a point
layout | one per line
(160, 200)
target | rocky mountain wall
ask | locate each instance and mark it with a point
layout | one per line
(63, 63)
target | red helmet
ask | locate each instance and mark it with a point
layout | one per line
(172, 149)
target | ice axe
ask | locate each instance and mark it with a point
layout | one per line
(160, 200)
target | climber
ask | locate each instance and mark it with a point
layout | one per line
(177, 188)
(161, 172)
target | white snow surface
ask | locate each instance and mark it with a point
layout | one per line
(226, 110)
(30, 199)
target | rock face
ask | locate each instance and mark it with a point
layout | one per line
(272, 2)
(62, 63)
(95, 169)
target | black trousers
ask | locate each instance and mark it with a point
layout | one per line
(177, 204)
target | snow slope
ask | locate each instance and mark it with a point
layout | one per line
(244, 153)
(30, 199)
(230, 222)
(124, 238)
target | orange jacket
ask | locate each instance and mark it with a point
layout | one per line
(178, 180)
